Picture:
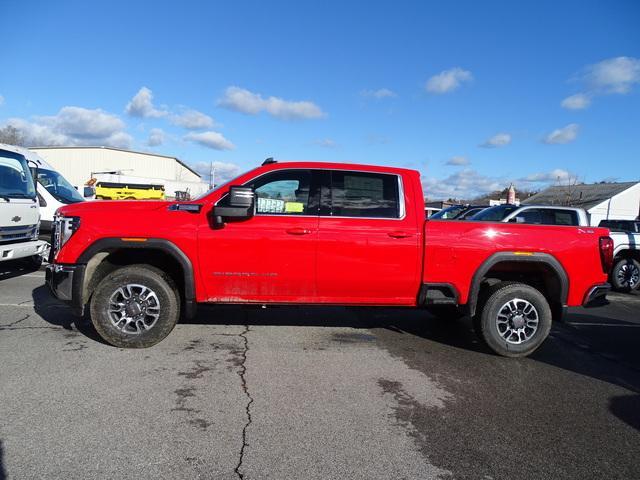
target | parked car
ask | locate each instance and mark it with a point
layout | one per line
(54, 191)
(470, 212)
(271, 237)
(535, 214)
(454, 211)
(625, 275)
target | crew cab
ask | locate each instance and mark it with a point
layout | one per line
(318, 233)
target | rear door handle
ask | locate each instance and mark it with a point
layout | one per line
(298, 231)
(399, 234)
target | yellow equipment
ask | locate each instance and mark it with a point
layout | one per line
(128, 191)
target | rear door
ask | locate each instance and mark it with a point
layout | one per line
(368, 240)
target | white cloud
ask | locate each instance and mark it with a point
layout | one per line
(614, 75)
(552, 176)
(326, 143)
(223, 172)
(467, 184)
(458, 161)
(1, 100)
(192, 120)
(380, 93)
(74, 126)
(498, 140)
(156, 137)
(141, 105)
(448, 80)
(579, 101)
(210, 139)
(462, 185)
(562, 135)
(242, 100)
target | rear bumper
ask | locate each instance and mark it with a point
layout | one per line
(65, 282)
(14, 251)
(596, 296)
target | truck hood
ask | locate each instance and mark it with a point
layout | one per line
(112, 206)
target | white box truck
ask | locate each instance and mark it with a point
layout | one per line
(19, 211)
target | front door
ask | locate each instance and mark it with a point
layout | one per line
(270, 257)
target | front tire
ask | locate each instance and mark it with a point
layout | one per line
(135, 306)
(514, 320)
(625, 276)
(34, 262)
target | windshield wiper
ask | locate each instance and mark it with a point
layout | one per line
(16, 195)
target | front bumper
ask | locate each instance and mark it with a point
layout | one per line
(14, 251)
(597, 296)
(65, 282)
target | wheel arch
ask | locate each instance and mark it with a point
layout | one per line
(107, 254)
(545, 273)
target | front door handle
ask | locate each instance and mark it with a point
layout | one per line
(298, 231)
(399, 234)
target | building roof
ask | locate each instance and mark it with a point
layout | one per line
(584, 195)
(119, 150)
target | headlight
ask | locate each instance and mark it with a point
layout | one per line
(63, 229)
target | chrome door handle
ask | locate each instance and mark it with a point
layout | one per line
(298, 231)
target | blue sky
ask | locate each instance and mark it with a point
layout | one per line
(469, 93)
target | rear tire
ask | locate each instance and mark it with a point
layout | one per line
(514, 319)
(625, 275)
(135, 306)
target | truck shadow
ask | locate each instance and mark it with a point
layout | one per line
(14, 268)
(3, 473)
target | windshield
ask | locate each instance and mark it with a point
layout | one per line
(494, 214)
(447, 213)
(15, 177)
(58, 186)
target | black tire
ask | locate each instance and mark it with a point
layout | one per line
(625, 275)
(486, 319)
(34, 262)
(167, 305)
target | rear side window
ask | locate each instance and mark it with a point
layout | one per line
(360, 194)
(562, 217)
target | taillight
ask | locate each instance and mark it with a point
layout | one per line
(606, 254)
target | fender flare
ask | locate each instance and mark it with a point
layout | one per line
(166, 246)
(544, 258)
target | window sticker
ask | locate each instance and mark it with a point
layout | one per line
(294, 207)
(271, 205)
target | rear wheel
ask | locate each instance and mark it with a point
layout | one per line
(135, 306)
(514, 319)
(625, 275)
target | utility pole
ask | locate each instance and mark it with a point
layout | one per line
(212, 176)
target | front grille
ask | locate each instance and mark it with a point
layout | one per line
(18, 233)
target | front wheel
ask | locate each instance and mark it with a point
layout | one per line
(625, 275)
(135, 306)
(514, 320)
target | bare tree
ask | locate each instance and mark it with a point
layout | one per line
(12, 136)
(569, 190)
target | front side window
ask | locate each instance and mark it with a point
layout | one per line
(360, 194)
(283, 193)
(15, 176)
(530, 216)
(58, 186)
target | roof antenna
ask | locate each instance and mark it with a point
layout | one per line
(268, 161)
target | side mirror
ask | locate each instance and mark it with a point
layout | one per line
(241, 202)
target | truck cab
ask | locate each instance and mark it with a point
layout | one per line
(19, 212)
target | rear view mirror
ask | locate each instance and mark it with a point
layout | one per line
(238, 205)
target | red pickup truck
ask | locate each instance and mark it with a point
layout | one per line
(319, 233)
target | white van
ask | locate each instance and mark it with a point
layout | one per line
(54, 191)
(19, 212)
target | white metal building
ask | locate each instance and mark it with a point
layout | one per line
(78, 164)
(602, 201)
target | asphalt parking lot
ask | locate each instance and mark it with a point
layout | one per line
(311, 393)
